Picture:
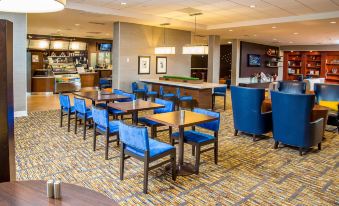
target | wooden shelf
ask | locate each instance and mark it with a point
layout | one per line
(332, 79)
(294, 66)
(332, 64)
(333, 74)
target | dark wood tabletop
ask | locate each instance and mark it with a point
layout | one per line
(102, 96)
(33, 193)
(174, 118)
(138, 105)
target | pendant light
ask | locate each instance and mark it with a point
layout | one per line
(164, 49)
(32, 6)
(192, 48)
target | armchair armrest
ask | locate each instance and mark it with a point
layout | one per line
(317, 130)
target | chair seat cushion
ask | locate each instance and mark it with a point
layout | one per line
(139, 91)
(333, 105)
(219, 94)
(103, 105)
(155, 148)
(186, 98)
(168, 95)
(152, 93)
(88, 114)
(148, 122)
(115, 111)
(113, 127)
(72, 109)
(194, 136)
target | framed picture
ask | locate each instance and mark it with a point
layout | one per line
(254, 60)
(35, 58)
(161, 65)
(144, 65)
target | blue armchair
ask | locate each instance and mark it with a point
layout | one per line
(163, 95)
(135, 143)
(291, 121)
(221, 92)
(169, 107)
(328, 92)
(136, 90)
(116, 112)
(82, 113)
(199, 139)
(247, 115)
(103, 126)
(181, 99)
(292, 87)
(105, 83)
(66, 109)
(152, 94)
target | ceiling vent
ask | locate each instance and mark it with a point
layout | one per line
(97, 23)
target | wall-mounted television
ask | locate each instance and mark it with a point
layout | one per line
(254, 60)
(105, 47)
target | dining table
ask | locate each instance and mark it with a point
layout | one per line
(181, 119)
(100, 96)
(134, 107)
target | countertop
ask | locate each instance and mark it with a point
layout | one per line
(43, 77)
(204, 85)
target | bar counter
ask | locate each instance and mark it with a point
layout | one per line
(201, 93)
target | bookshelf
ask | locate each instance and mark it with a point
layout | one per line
(332, 67)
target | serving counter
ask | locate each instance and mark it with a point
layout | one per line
(201, 93)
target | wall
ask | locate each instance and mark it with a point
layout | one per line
(133, 40)
(19, 61)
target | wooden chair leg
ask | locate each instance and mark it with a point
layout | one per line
(76, 124)
(155, 132)
(236, 132)
(170, 133)
(146, 164)
(122, 161)
(61, 117)
(197, 159)
(174, 166)
(69, 122)
(213, 99)
(152, 132)
(216, 152)
(276, 144)
(106, 147)
(118, 139)
(319, 146)
(94, 137)
(193, 150)
(225, 102)
(84, 126)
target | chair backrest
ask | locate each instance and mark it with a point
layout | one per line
(213, 125)
(134, 136)
(80, 105)
(220, 89)
(104, 81)
(65, 103)
(326, 92)
(178, 92)
(169, 106)
(161, 90)
(134, 86)
(291, 116)
(146, 88)
(130, 96)
(292, 87)
(118, 92)
(100, 116)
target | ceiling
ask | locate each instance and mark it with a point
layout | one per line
(279, 22)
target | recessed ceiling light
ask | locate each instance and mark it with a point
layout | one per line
(252, 6)
(107, 34)
(230, 30)
(333, 22)
(254, 35)
(311, 51)
(229, 42)
(295, 33)
(77, 24)
(58, 30)
(274, 39)
(291, 42)
(123, 3)
(274, 27)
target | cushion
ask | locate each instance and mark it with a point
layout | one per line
(194, 136)
(115, 111)
(149, 122)
(168, 95)
(186, 98)
(72, 109)
(333, 105)
(88, 113)
(139, 91)
(152, 93)
(113, 127)
(155, 148)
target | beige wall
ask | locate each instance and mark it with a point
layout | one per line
(133, 40)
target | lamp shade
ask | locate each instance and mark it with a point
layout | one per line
(164, 50)
(195, 50)
(32, 6)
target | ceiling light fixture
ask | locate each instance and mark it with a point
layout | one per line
(229, 42)
(164, 49)
(274, 27)
(77, 24)
(295, 33)
(230, 30)
(123, 3)
(32, 6)
(195, 49)
(333, 22)
(252, 6)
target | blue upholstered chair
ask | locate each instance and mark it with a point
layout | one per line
(136, 90)
(135, 143)
(164, 95)
(83, 114)
(103, 126)
(292, 87)
(66, 109)
(247, 115)
(169, 107)
(116, 112)
(199, 139)
(105, 83)
(152, 94)
(219, 92)
(328, 92)
(182, 98)
(291, 121)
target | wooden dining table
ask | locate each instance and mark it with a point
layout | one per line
(134, 107)
(33, 193)
(98, 96)
(181, 119)
(318, 111)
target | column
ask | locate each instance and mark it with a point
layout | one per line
(213, 59)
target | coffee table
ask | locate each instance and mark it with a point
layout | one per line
(181, 119)
(134, 107)
(33, 193)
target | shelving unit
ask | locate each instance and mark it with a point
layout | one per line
(332, 68)
(313, 64)
(294, 65)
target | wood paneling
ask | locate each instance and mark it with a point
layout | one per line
(89, 79)
(247, 48)
(7, 153)
(43, 84)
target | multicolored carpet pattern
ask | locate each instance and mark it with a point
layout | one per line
(248, 173)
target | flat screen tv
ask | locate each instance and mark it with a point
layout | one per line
(105, 47)
(254, 60)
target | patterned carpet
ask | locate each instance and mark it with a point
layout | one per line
(248, 173)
